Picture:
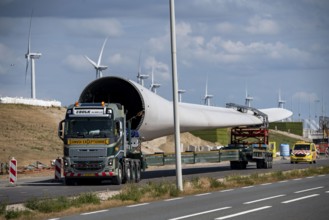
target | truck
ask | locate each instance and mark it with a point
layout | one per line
(99, 144)
(249, 143)
(303, 152)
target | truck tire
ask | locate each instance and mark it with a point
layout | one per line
(127, 173)
(133, 172)
(118, 179)
(138, 172)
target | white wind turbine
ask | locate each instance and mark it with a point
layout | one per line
(280, 101)
(99, 68)
(207, 96)
(248, 98)
(154, 86)
(30, 56)
(140, 76)
(180, 92)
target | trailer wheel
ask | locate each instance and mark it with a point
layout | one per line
(118, 179)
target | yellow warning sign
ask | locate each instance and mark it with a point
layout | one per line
(88, 141)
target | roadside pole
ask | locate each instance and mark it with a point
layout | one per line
(179, 178)
(13, 171)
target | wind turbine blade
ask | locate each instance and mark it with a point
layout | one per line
(101, 53)
(29, 39)
(139, 63)
(91, 61)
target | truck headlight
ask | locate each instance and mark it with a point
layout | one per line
(110, 162)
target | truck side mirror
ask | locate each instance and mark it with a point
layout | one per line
(60, 130)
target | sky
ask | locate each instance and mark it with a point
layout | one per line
(265, 47)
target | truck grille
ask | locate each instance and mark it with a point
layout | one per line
(87, 152)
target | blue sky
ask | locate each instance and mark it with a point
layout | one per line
(263, 45)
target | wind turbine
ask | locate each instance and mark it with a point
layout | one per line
(154, 86)
(180, 92)
(30, 56)
(207, 96)
(99, 68)
(140, 76)
(248, 99)
(280, 101)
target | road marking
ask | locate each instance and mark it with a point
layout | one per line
(173, 199)
(132, 206)
(265, 184)
(95, 212)
(306, 190)
(203, 194)
(227, 190)
(259, 200)
(247, 187)
(310, 177)
(297, 179)
(283, 181)
(300, 198)
(242, 213)
(200, 213)
(327, 191)
(321, 175)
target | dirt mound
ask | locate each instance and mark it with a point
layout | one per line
(29, 133)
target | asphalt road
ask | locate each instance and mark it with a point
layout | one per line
(45, 187)
(304, 198)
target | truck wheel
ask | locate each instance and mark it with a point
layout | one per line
(133, 172)
(118, 179)
(138, 173)
(127, 173)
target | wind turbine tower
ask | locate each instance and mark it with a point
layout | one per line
(30, 56)
(207, 96)
(280, 101)
(154, 86)
(140, 76)
(248, 99)
(99, 68)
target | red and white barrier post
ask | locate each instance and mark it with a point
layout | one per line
(58, 169)
(13, 171)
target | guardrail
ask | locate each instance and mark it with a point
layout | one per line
(192, 157)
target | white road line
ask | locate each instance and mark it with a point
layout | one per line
(247, 187)
(200, 213)
(265, 184)
(259, 200)
(242, 213)
(300, 198)
(227, 190)
(327, 191)
(310, 177)
(132, 206)
(173, 199)
(321, 175)
(297, 179)
(306, 190)
(203, 194)
(283, 181)
(90, 213)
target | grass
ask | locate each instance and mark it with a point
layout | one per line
(134, 193)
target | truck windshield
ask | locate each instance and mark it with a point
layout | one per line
(302, 147)
(89, 127)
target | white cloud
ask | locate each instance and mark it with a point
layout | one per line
(95, 26)
(76, 62)
(305, 97)
(160, 69)
(258, 25)
(224, 27)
